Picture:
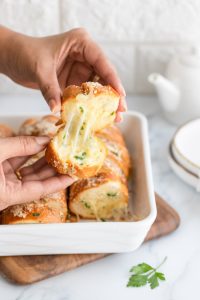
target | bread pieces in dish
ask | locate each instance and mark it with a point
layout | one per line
(76, 149)
(50, 209)
(43, 126)
(104, 196)
(116, 147)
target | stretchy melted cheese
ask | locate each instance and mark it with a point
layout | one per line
(76, 149)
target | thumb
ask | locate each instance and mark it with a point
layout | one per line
(21, 146)
(50, 89)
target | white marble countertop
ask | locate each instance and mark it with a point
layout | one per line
(107, 278)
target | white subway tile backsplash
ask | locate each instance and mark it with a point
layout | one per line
(33, 17)
(155, 28)
(106, 20)
(134, 20)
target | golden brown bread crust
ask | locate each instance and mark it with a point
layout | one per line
(75, 98)
(105, 175)
(85, 88)
(112, 203)
(6, 131)
(50, 209)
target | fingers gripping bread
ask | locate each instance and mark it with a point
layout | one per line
(76, 149)
(51, 208)
(5, 131)
(104, 196)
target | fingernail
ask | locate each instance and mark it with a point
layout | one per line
(118, 118)
(124, 105)
(69, 180)
(123, 90)
(72, 180)
(42, 140)
(53, 106)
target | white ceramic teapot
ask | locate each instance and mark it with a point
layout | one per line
(179, 91)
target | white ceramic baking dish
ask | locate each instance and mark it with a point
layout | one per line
(93, 237)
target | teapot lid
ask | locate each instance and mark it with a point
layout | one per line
(191, 59)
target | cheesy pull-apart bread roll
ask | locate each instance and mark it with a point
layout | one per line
(104, 196)
(53, 207)
(86, 109)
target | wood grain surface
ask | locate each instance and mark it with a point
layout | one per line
(29, 269)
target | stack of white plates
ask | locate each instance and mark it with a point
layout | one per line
(184, 153)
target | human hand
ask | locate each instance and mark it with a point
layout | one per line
(37, 180)
(51, 63)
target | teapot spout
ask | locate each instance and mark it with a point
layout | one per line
(168, 93)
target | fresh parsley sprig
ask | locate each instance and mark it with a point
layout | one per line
(144, 274)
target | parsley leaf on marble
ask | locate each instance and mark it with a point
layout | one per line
(141, 268)
(144, 274)
(137, 280)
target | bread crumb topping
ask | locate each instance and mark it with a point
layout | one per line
(22, 210)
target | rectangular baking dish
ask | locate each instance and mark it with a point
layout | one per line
(90, 236)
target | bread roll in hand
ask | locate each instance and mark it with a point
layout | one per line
(76, 150)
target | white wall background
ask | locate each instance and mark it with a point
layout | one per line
(139, 36)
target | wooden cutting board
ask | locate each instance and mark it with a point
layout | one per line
(29, 269)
